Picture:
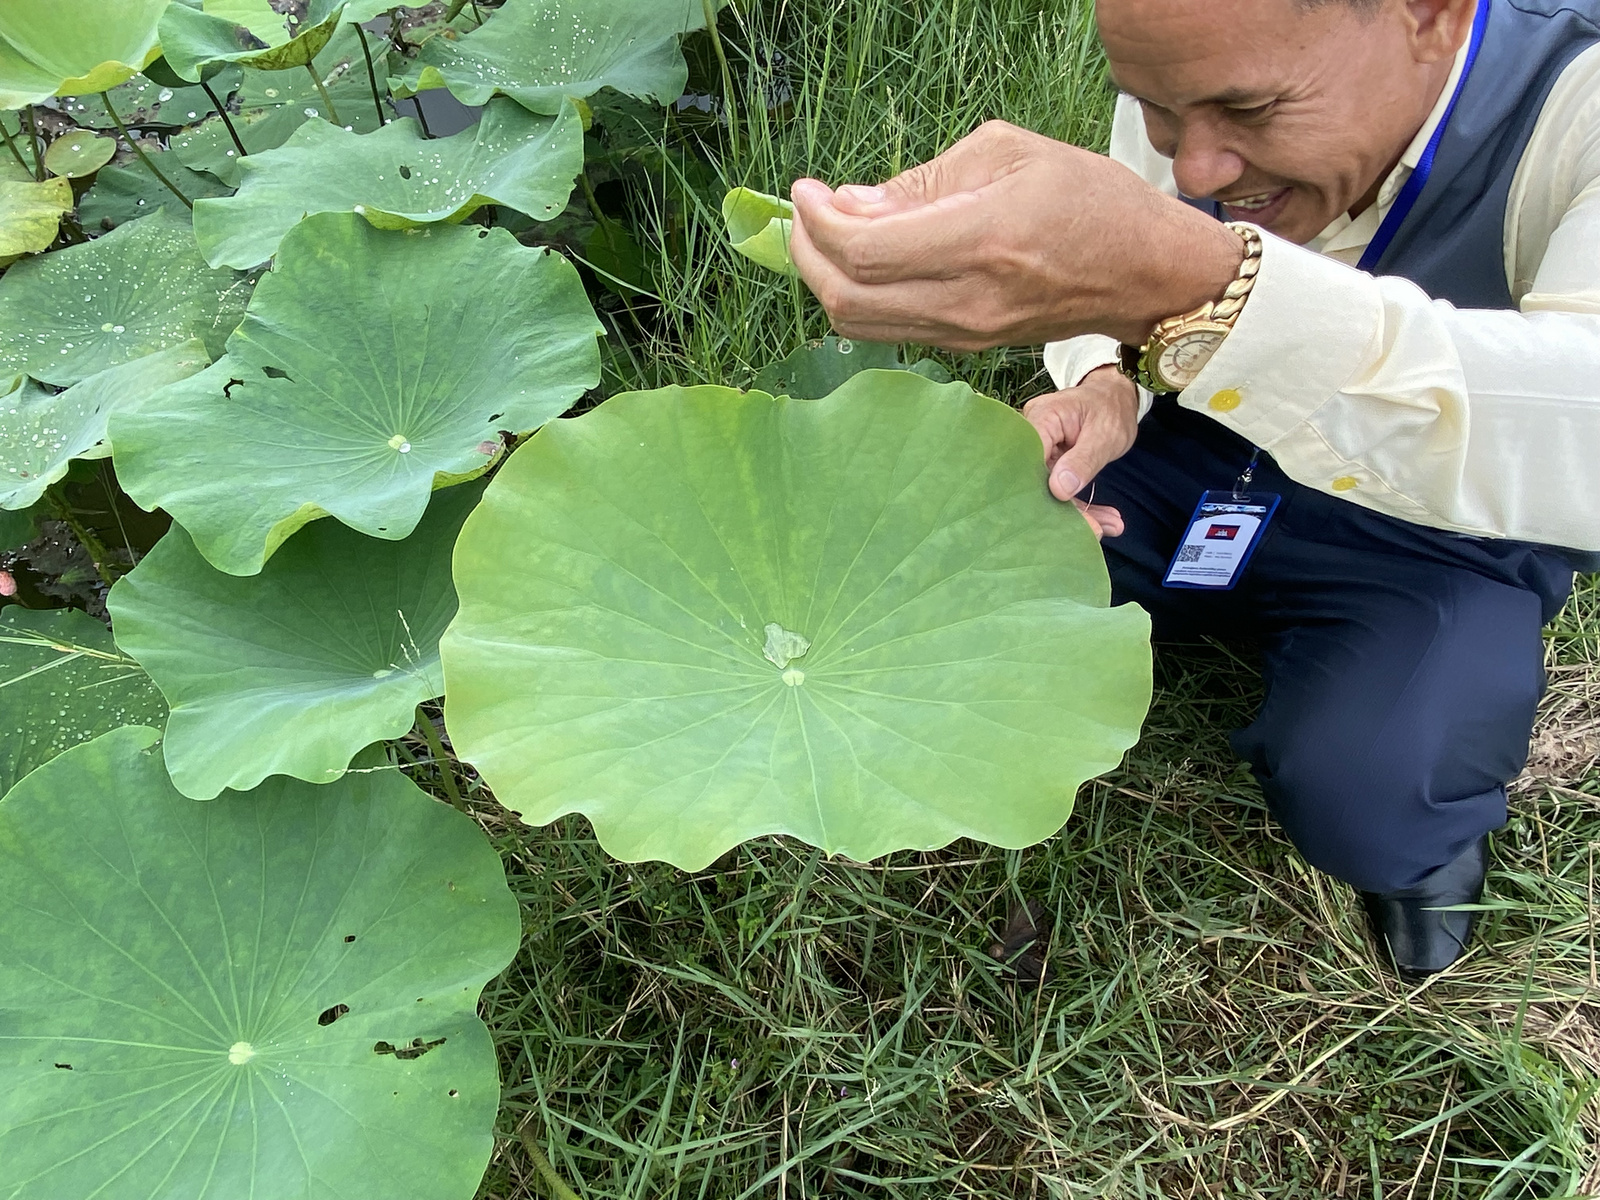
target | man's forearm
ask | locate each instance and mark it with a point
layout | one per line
(1483, 422)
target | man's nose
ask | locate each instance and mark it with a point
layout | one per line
(1202, 163)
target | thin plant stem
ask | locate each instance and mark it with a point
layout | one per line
(416, 103)
(12, 146)
(730, 105)
(558, 1186)
(105, 98)
(436, 749)
(222, 111)
(327, 100)
(87, 538)
(33, 140)
(372, 75)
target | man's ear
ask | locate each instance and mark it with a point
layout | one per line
(1438, 27)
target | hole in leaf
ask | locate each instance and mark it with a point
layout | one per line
(483, 233)
(417, 1048)
(330, 1015)
(275, 373)
(349, 937)
(405, 172)
(494, 418)
(63, 1066)
(454, 1093)
(227, 388)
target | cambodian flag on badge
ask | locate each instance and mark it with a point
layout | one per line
(1222, 533)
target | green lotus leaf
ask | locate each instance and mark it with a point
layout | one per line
(193, 39)
(372, 367)
(143, 102)
(395, 178)
(269, 996)
(141, 288)
(78, 153)
(293, 671)
(698, 615)
(63, 681)
(59, 47)
(759, 226)
(542, 52)
(17, 529)
(273, 104)
(30, 216)
(123, 194)
(817, 368)
(41, 432)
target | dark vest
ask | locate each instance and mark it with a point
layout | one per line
(1452, 243)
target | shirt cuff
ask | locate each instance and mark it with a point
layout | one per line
(1071, 361)
(1309, 327)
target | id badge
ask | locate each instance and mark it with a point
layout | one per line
(1223, 533)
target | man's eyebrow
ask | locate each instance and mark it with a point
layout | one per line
(1237, 97)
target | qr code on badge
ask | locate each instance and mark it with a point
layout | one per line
(1189, 554)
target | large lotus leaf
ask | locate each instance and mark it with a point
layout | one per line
(293, 671)
(30, 215)
(541, 52)
(141, 288)
(817, 368)
(193, 39)
(63, 681)
(372, 367)
(269, 996)
(273, 104)
(395, 178)
(696, 616)
(55, 47)
(123, 194)
(41, 432)
(759, 226)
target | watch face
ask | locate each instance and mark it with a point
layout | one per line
(1182, 359)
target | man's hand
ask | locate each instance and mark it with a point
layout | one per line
(1007, 238)
(1084, 428)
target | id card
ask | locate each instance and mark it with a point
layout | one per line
(1223, 533)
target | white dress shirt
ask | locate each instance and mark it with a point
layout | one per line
(1479, 421)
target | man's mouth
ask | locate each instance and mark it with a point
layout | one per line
(1260, 207)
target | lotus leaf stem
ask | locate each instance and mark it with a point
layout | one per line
(222, 111)
(322, 90)
(454, 10)
(727, 75)
(104, 565)
(372, 76)
(558, 1186)
(440, 759)
(105, 98)
(12, 146)
(33, 139)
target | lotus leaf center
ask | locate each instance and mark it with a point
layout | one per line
(240, 1053)
(794, 676)
(784, 645)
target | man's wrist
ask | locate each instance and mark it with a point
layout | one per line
(1203, 261)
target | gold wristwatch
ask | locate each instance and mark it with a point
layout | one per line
(1179, 347)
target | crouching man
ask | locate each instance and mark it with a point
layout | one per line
(1327, 329)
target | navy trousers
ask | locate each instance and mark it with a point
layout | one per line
(1402, 664)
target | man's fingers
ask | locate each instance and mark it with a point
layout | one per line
(926, 242)
(1099, 442)
(1103, 519)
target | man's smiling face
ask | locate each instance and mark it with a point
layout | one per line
(1289, 115)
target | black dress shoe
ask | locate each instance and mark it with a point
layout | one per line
(1421, 940)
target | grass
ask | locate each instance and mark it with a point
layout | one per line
(1214, 1023)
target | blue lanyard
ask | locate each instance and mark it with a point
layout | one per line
(1419, 178)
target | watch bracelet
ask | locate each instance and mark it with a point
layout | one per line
(1135, 360)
